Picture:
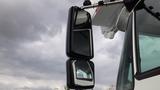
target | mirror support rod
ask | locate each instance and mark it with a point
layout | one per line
(104, 4)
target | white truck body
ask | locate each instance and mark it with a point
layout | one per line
(149, 80)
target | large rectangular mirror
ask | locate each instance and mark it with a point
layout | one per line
(80, 74)
(79, 34)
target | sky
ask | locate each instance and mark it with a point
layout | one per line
(32, 46)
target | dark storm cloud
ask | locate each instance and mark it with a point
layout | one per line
(25, 22)
(32, 41)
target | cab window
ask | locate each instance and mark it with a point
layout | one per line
(148, 38)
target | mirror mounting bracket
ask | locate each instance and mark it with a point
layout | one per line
(101, 4)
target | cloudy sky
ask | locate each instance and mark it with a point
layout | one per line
(32, 46)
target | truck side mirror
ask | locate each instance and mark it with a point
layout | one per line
(79, 34)
(80, 74)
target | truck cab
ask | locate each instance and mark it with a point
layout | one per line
(139, 66)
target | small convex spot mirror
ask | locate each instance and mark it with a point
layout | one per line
(79, 34)
(80, 74)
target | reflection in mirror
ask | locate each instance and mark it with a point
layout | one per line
(81, 18)
(83, 70)
(81, 42)
(80, 74)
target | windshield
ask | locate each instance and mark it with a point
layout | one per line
(148, 28)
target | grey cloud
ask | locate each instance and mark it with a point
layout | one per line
(25, 21)
(32, 64)
(34, 69)
(28, 20)
(33, 42)
(39, 88)
(12, 87)
(107, 57)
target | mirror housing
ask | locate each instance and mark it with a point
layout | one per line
(80, 74)
(79, 34)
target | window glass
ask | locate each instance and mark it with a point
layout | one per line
(148, 27)
(149, 52)
(130, 76)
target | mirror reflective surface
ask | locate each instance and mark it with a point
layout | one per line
(79, 34)
(80, 74)
(81, 18)
(83, 70)
(81, 42)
